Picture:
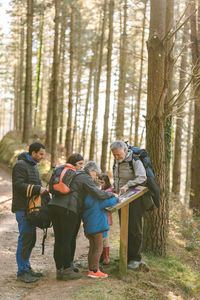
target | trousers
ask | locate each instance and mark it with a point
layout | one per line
(95, 250)
(26, 242)
(136, 212)
(65, 225)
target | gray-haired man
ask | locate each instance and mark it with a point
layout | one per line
(128, 172)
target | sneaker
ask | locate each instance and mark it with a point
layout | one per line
(27, 277)
(74, 268)
(132, 264)
(69, 274)
(33, 273)
(97, 274)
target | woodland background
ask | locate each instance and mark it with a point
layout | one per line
(79, 74)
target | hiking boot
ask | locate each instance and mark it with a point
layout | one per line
(27, 277)
(138, 265)
(33, 273)
(97, 274)
(59, 274)
(69, 274)
(74, 268)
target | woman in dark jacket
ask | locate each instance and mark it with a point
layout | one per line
(66, 210)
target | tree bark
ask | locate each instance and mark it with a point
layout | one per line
(179, 119)
(54, 90)
(195, 164)
(28, 82)
(39, 58)
(122, 78)
(137, 112)
(68, 142)
(96, 92)
(154, 223)
(108, 83)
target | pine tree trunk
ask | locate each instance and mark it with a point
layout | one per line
(78, 86)
(83, 135)
(108, 83)
(15, 85)
(54, 90)
(137, 112)
(28, 82)
(122, 78)
(188, 152)
(62, 70)
(39, 58)
(154, 222)
(21, 76)
(68, 142)
(179, 119)
(195, 164)
(96, 91)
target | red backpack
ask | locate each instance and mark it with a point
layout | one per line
(56, 184)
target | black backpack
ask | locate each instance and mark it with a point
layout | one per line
(151, 183)
(37, 211)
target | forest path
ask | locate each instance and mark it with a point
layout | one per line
(47, 287)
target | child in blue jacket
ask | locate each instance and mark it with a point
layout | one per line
(95, 223)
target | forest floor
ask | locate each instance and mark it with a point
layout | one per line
(174, 276)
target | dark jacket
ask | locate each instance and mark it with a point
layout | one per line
(24, 172)
(94, 215)
(81, 186)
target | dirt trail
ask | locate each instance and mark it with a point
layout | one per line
(47, 287)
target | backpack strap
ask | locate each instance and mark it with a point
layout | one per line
(67, 166)
(135, 158)
(43, 240)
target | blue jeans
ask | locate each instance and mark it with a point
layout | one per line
(26, 242)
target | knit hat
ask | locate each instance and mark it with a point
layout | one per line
(74, 158)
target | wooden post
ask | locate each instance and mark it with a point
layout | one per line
(123, 204)
(124, 240)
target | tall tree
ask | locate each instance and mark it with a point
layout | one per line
(108, 83)
(195, 164)
(28, 82)
(137, 112)
(97, 85)
(82, 143)
(122, 77)
(155, 222)
(62, 69)
(179, 118)
(39, 58)
(68, 142)
(54, 91)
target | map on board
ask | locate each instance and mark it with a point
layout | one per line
(127, 195)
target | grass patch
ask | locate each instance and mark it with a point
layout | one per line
(175, 276)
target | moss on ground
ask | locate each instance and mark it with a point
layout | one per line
(11, 146)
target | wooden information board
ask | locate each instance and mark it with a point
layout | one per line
(123, 204)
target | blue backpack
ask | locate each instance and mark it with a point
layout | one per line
(151, 183)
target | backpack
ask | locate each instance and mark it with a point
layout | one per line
(151, 183)
(56, 185)
(37, 211)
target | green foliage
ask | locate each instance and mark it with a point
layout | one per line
(11, 147)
